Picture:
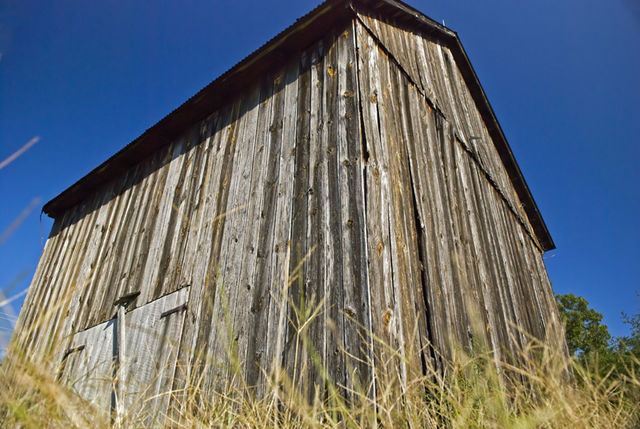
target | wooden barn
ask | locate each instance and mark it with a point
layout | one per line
(346, 181)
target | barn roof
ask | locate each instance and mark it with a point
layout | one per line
(289, 42)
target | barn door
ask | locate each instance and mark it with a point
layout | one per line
(89, 364)
(152, 336)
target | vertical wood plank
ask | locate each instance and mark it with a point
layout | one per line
(251, 259)
(351, 163)
(315, 300)
(191, 354)
(256, 352)
(206, 273)
(295, 352)
(281, 251)
(224, 335)
(332, 223)
(376, 194)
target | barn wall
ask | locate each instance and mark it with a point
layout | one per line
(341, 195)
(480, 259)
(430, 66)
(263, 198)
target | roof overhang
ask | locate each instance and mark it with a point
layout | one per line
(288, 43)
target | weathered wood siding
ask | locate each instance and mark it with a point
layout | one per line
(429, 65)
(356, 189)
(478, 254)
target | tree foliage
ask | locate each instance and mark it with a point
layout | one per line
(589, 340)
(584, 329)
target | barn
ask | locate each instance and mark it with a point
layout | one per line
(348, 182)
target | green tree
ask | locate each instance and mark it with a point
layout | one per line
(589, 340)
(586, 335)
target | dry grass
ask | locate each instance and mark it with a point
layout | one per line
(473, 393)
(545, 390)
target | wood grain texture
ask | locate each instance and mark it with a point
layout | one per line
(472, 233)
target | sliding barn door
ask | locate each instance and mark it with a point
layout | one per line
(142, 380)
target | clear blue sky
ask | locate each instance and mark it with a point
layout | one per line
(88, 77)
